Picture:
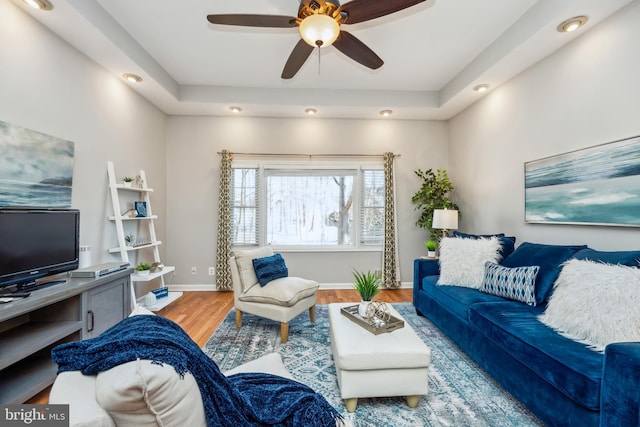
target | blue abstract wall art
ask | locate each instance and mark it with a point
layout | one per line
(595, 186)
(36, 170)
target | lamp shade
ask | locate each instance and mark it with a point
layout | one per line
(445, 219)
(319, 30)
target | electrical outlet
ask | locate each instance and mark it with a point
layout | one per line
(194, 270)
(212, 271)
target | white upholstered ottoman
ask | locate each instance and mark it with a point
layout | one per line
(368, 365)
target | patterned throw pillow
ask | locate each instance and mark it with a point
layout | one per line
(516, 283)
(270, 268)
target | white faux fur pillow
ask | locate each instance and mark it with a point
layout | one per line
(462, 260)
(595, 303)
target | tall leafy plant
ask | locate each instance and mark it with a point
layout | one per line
(433, 194)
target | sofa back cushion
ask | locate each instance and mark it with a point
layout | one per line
(548, 257)
(631, 258)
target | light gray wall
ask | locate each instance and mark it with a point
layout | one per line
(585, 94)
(193, 170)
(48, 86)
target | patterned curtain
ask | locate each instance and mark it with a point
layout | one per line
(390, 267)
(223, 250)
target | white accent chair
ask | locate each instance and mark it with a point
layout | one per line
(280, 300)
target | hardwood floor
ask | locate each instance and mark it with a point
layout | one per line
(200, 313)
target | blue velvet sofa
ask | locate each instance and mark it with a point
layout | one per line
(559, 380)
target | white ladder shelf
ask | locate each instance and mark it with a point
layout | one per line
(124, 249)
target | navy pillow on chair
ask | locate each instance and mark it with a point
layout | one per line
(269, 268)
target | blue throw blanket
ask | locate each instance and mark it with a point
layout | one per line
(250, 399)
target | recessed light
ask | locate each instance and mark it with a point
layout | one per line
(481, 88)
(386, 113)
(132, 78)
(39, 4)
(572, 24)
(235, 110)
(311, 111)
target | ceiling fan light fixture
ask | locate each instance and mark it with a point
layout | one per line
(386, 113)
(572, 24)
(481, 88)
(319, 30)
(39, 4)
(235, 109)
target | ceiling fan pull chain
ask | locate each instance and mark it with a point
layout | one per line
(318, 59)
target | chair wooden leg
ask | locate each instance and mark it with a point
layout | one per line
(312, 314)
(238, 318)
(284, 332)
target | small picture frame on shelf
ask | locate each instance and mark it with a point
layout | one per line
(141, 209)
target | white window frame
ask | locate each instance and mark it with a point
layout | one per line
(357, 246)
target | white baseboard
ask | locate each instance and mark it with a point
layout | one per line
(212, 287)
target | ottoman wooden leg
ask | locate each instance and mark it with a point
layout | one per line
(351, 404)
(412, 401)
(284, 332)
(312, 314)
(238, 318)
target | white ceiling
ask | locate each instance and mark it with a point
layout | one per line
(434, 53)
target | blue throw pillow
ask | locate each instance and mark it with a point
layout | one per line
(630, 258)
(269, 268)
(518, 283)
(507, 243)
(548, 257)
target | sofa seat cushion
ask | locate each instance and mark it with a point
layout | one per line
(568, 365)
(286, 291)
(456, 299)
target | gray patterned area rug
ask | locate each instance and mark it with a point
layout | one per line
(460, 393)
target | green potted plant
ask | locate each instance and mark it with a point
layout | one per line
(367, 285)
(433, 194)
(128, 181)
(431, 248)
(129, 238)
(143, 268)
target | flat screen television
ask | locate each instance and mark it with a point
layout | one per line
(37, 242)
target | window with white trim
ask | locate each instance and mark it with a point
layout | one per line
(317, 206)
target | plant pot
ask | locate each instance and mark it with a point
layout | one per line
(362, 309)
(142, 272)
(127, 184)
(431, 254)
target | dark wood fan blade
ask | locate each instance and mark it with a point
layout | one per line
(364, 10)
(274, 21)
(351, 46)
(297, 59)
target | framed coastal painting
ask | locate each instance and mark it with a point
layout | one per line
(36, 169)
(594, 186)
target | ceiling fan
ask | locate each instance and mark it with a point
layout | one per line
(319, 23)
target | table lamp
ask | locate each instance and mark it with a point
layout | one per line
(445, 219)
